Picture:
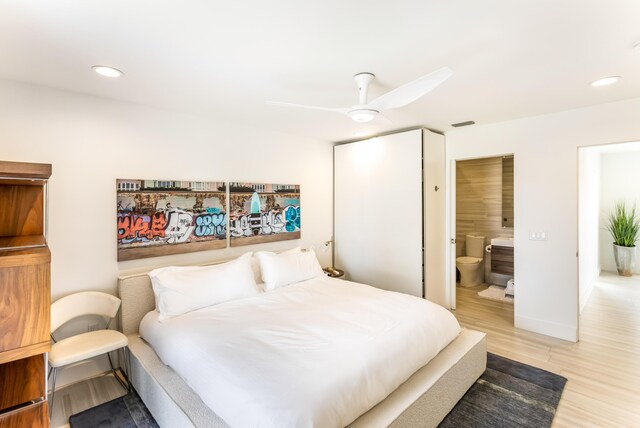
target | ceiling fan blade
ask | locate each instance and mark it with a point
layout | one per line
(411, 91)
(334, 110)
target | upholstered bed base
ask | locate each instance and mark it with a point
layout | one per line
(423, 400)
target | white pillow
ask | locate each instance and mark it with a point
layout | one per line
(180, 290)
(283, 269)
(255, 264)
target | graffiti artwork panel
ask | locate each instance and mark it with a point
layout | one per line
(263, 213)
(159, 217)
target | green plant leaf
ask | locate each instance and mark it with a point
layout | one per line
(624, 225)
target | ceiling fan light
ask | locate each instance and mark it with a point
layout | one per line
(363, 115)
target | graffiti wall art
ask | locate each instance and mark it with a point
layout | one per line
(263, 213)
(160, 217)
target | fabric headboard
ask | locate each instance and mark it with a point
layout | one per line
(137, 297)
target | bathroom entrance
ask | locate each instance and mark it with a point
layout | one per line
(483, 220)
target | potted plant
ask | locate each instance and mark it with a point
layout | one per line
(624, 227)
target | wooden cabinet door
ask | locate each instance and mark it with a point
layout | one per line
(502, 260)
(25, 301)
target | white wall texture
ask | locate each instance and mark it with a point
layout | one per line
(620, 181)
(589, 221)
(546, 199)
(92, 141)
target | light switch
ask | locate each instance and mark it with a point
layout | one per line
(538, 235)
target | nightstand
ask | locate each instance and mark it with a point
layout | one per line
(333, 272)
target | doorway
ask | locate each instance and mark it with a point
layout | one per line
(607, 176)
(482, 222)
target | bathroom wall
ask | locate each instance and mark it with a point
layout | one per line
(479, 202)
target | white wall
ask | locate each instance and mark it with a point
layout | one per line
(92, 141)
(620, 181)
(589, 221)
(546, 199)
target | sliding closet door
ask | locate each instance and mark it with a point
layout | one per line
(378, 211)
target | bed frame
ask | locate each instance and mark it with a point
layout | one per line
(423, 400)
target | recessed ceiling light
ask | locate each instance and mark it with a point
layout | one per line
(606, 81)
(107, 71)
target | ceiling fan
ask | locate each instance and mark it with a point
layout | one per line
(366, 111)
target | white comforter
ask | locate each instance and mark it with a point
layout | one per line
(314, 354)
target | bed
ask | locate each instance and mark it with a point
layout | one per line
(423, 399)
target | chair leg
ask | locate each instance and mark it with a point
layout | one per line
(120, 381)
(110, 362)
(53, 371)
(127, 363)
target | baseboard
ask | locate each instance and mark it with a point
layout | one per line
(561, 331)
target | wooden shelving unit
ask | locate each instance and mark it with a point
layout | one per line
(25, 294)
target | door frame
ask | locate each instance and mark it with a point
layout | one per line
(450, 283)
(451, 239)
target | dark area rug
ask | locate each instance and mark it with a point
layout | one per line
(124, 412)
(508, 394)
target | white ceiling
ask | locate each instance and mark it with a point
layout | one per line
(511, 58)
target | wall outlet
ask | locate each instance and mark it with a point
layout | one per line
(93, 327)
(538, 235)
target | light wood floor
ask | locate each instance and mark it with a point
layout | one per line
(83, 395)
(603, 368)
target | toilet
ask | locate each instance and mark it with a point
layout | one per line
(471, 266)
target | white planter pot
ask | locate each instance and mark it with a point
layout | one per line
(624, 257)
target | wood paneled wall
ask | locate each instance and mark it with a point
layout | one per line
(479, 202)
